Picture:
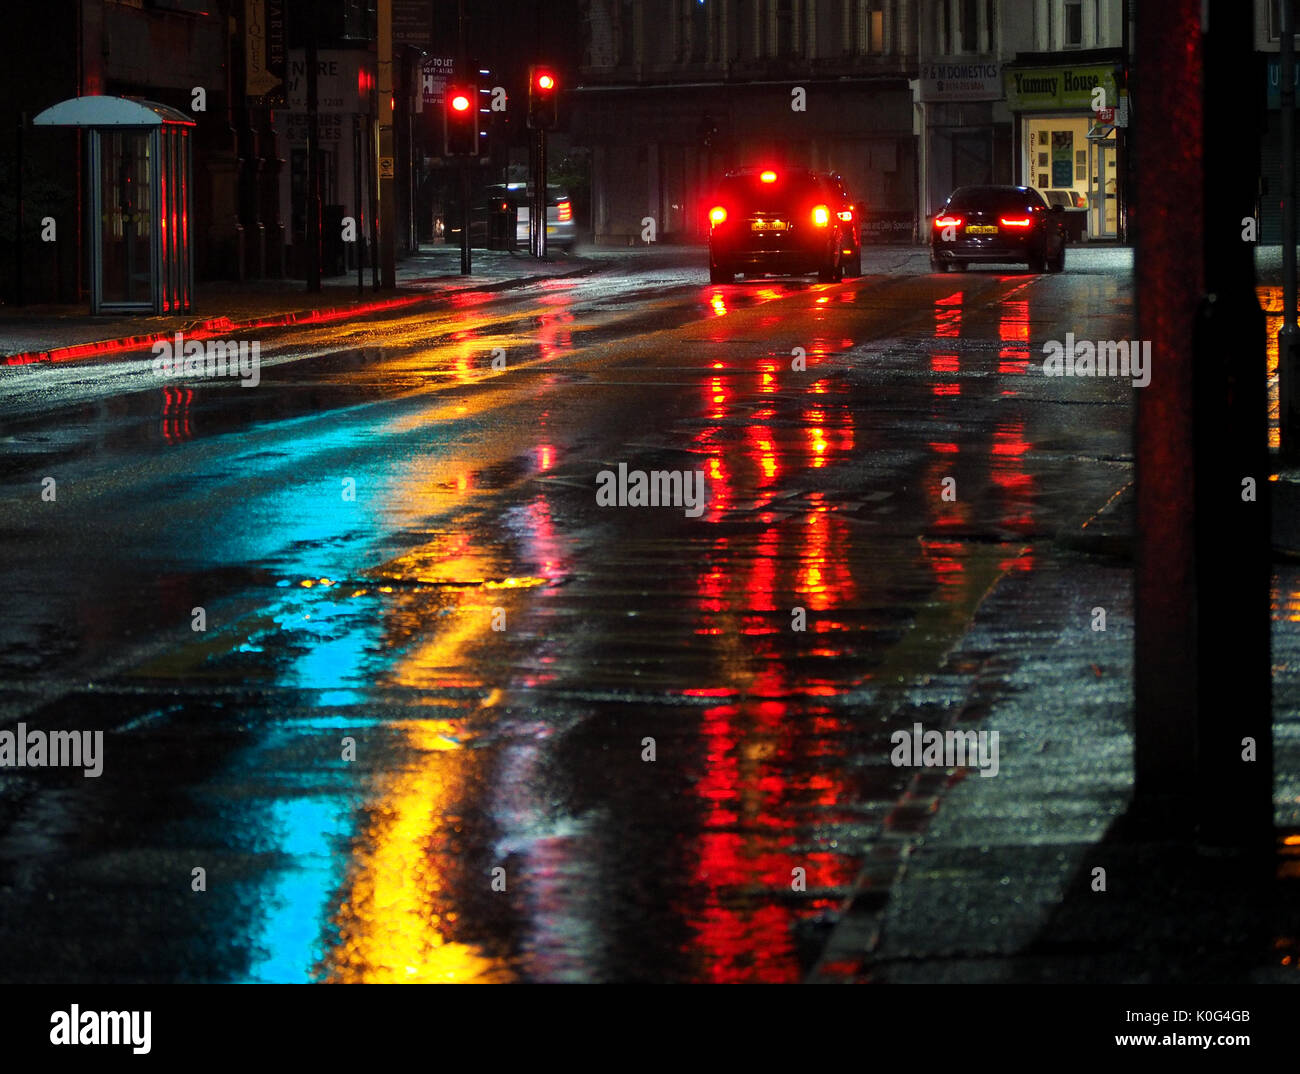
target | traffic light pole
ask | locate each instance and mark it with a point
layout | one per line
(465, 266)
(539, 198)
(542, 89)
(462, 73)
(532, 200)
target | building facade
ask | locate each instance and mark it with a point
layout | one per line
(672, 93)
(1032, 92)
(906, 98)
(162, 51)
(1267, 74)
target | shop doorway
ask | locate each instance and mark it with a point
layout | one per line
(972, 158)
(1103, 184)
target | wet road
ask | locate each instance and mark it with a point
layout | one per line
(428, 654)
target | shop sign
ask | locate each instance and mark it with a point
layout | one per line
(338, 80)
(960, 81)
(434, 72)
(1058, 89)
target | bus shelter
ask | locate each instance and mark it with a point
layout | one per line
(140, 175)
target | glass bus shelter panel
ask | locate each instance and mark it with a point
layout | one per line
(174, 203)
(126, 217)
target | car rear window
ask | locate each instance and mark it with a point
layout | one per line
(751, 191)
(993, 199)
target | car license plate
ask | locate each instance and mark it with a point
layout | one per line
(768, 225)
(982, 229)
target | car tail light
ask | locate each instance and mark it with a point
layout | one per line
(566, 212)
(717, 215)
(821, 215)
(947, 221)
(1015, 221)
(768, 177)
(846, 215)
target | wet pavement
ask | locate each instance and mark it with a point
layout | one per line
(449, 718)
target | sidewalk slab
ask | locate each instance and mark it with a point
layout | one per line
(62, 333)
(999, 885)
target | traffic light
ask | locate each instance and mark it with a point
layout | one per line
(543, 98)
(460, 120)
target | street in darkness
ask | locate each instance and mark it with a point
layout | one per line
(648, 492)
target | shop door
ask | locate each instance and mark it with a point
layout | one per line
(972, 159)
(1103, 190)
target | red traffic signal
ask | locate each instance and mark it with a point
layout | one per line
(460, 121)
(543, 98)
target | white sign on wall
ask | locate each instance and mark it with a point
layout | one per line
(960, 80)
(337, 80)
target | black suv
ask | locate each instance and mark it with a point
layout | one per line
(776, 220)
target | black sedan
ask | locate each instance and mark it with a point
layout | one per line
(999, 224)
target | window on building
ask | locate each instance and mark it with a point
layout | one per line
(1073, 28)
(1275, 18)
(627, 32)
(699, 31)
(943, 45)
(970, 26)
(785, 27)
(990, 26)
(876, 29)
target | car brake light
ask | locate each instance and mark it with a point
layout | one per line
(846, 215)
(768, 177)
(566, 212)
(947, 221)
(717, 215)
(821, 215)
(1022, 221)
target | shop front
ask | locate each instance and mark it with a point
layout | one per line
(1064, 145)
(965, 130)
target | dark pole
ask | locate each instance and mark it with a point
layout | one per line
(1168, 280)
(1233, 539)
(359, 245)
(372, 151)
(533, 140)
(387, 150)
(18, 193)
(541, 193)
(1288, 403)
(462, 70)
(313, 158)
(1203, 754)
(465, 261)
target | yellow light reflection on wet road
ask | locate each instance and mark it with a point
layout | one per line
(398, 908)
(397, 912)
